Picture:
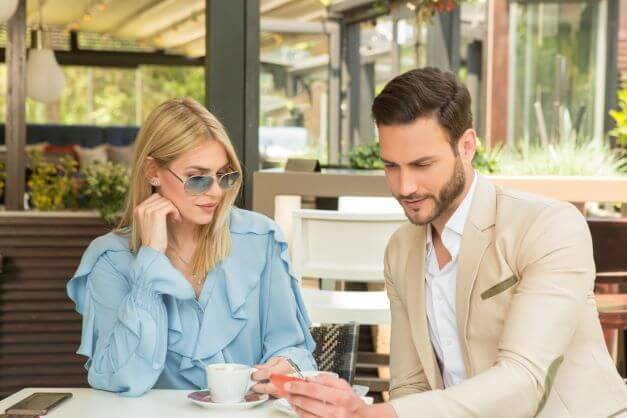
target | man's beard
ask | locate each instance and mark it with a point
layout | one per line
(449, 192)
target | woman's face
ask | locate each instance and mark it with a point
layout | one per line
(209, 158)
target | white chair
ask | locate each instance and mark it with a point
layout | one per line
(343, 246)
(368, 204)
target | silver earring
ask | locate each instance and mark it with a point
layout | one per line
(154, 181)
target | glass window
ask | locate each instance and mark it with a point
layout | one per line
(111, 96)
(557, 70)
(377, 60)
(293, 85)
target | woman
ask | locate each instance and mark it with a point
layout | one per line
(187, 279)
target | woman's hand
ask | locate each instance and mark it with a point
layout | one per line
(276, 365)
(151, 216)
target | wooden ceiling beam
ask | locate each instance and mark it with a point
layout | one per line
(272, 5)
(193, 36)
(32, 17)
(120, 59)
(135, 15)
(181, 47)
(194, 15)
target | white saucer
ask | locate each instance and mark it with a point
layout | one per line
(203, 398)
(284, 406)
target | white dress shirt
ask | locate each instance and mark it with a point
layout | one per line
(440, 285)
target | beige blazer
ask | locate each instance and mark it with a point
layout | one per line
(527, 321)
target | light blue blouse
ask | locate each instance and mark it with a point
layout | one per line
(143, 327)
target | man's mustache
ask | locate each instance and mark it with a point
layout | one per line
(415, 197)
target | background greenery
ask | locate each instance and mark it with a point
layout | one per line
(105, 188)
(566, 158)
(563, 159)
(620, 117)
(60, 186)
(366, 157)
(119, 96)
(54, 186)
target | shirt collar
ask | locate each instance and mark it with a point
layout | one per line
(458, 220)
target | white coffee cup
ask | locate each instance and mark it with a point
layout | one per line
(229, 382)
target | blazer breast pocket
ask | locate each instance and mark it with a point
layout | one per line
(500, 287)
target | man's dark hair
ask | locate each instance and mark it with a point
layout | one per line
(425, 92)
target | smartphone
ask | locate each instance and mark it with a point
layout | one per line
(39, 403)
(21, 416)
(279, 380)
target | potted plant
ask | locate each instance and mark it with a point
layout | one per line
(566, 158)
(106, 187)
(487, 160)
(54, 186)
(366, 157)
(620, 117)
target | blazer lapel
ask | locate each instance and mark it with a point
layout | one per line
(415, 302)
(476, 238)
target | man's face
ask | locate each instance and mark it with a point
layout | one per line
(422, 171)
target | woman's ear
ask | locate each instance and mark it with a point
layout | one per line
(151, 171)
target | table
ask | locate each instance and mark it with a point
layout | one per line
(156, 403)
(613, 310)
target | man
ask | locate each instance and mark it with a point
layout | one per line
(491, 290)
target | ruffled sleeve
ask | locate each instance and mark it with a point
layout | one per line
(284, 320)
(286, 325)
(125, 324)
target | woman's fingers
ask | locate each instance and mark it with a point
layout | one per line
(152, 216)
(148, 204)
(275, 365)
(261, 374)
(267, 388)
(174, 211)
(161, 206)
(155, 207)
(153, 197)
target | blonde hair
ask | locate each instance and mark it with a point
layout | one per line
(171, 129)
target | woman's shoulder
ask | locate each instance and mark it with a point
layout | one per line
(245, 222)
(111, 252)
(114, 242)
(115, 245)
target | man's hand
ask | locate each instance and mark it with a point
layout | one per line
(326, 396)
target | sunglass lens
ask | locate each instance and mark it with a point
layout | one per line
(198, 184)
(227, 181)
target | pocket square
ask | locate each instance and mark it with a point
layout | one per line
(499, 287)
